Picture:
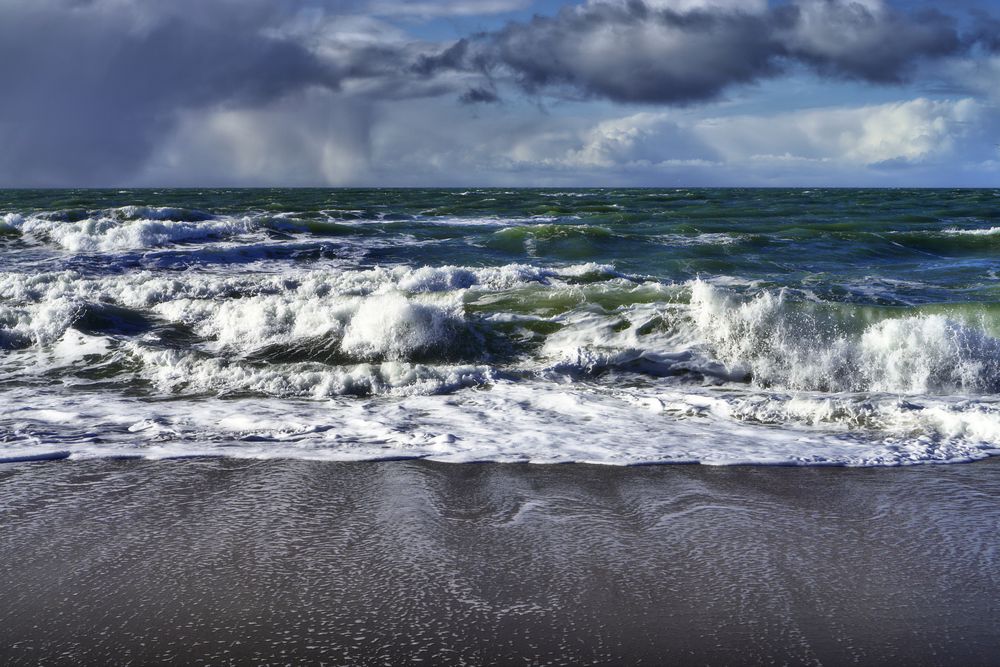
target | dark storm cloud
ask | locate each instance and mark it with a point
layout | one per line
(633, 52)
(479, 95)
(986, 32)
(91, 88)
(854, 41)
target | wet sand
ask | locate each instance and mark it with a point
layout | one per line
(391, 563)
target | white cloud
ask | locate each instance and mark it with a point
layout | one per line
(911, 131)
(613, 141)
(433, 8)
(682, 6)
(325, 138)
(643, 139)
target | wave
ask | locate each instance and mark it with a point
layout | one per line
(176, 372)
(493, 221)
(386, 326)
(510, 422)
(546, 365)
(581, 320)
(770, 340)
(803, 345)
(698, 239)
(252, 310)
(372, 324)
(131, 228)
(992, 231)
(548, 232)
(119, 230)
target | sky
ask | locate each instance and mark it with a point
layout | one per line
(546, 93)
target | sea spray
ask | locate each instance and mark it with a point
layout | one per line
(611, 326)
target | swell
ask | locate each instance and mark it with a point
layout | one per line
(317, 334)
(618, 326)
(776, 341)
(579, 321)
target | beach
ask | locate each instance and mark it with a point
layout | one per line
(500, 332)
(594, 426)
(281, 561)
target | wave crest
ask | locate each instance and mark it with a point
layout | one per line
(809, 346)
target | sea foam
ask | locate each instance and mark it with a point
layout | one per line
(110, 232)
(509, 362)
(775, 341)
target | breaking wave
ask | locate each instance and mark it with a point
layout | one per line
(826, 347)
(581, 319)
(122, 230)
(452, 331)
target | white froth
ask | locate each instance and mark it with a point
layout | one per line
(707, 238)
(974, 232)
(39, 323)
(176, 372)
(11, 222)
(929, 354)
(725, 372)
(530, 422)
(75, 346)
(782, 344)
(390, 326)
(109, 234)
(249, 311)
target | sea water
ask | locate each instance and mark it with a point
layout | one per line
(720, 326)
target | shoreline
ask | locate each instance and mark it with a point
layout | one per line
(69, 457)
(232, 560)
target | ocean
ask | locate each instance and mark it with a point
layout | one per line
(634, 326)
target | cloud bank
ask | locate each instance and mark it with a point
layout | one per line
(633, 51)
(103, 92)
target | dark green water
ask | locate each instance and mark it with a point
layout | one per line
(852, 327)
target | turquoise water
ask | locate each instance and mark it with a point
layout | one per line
(851, 327)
